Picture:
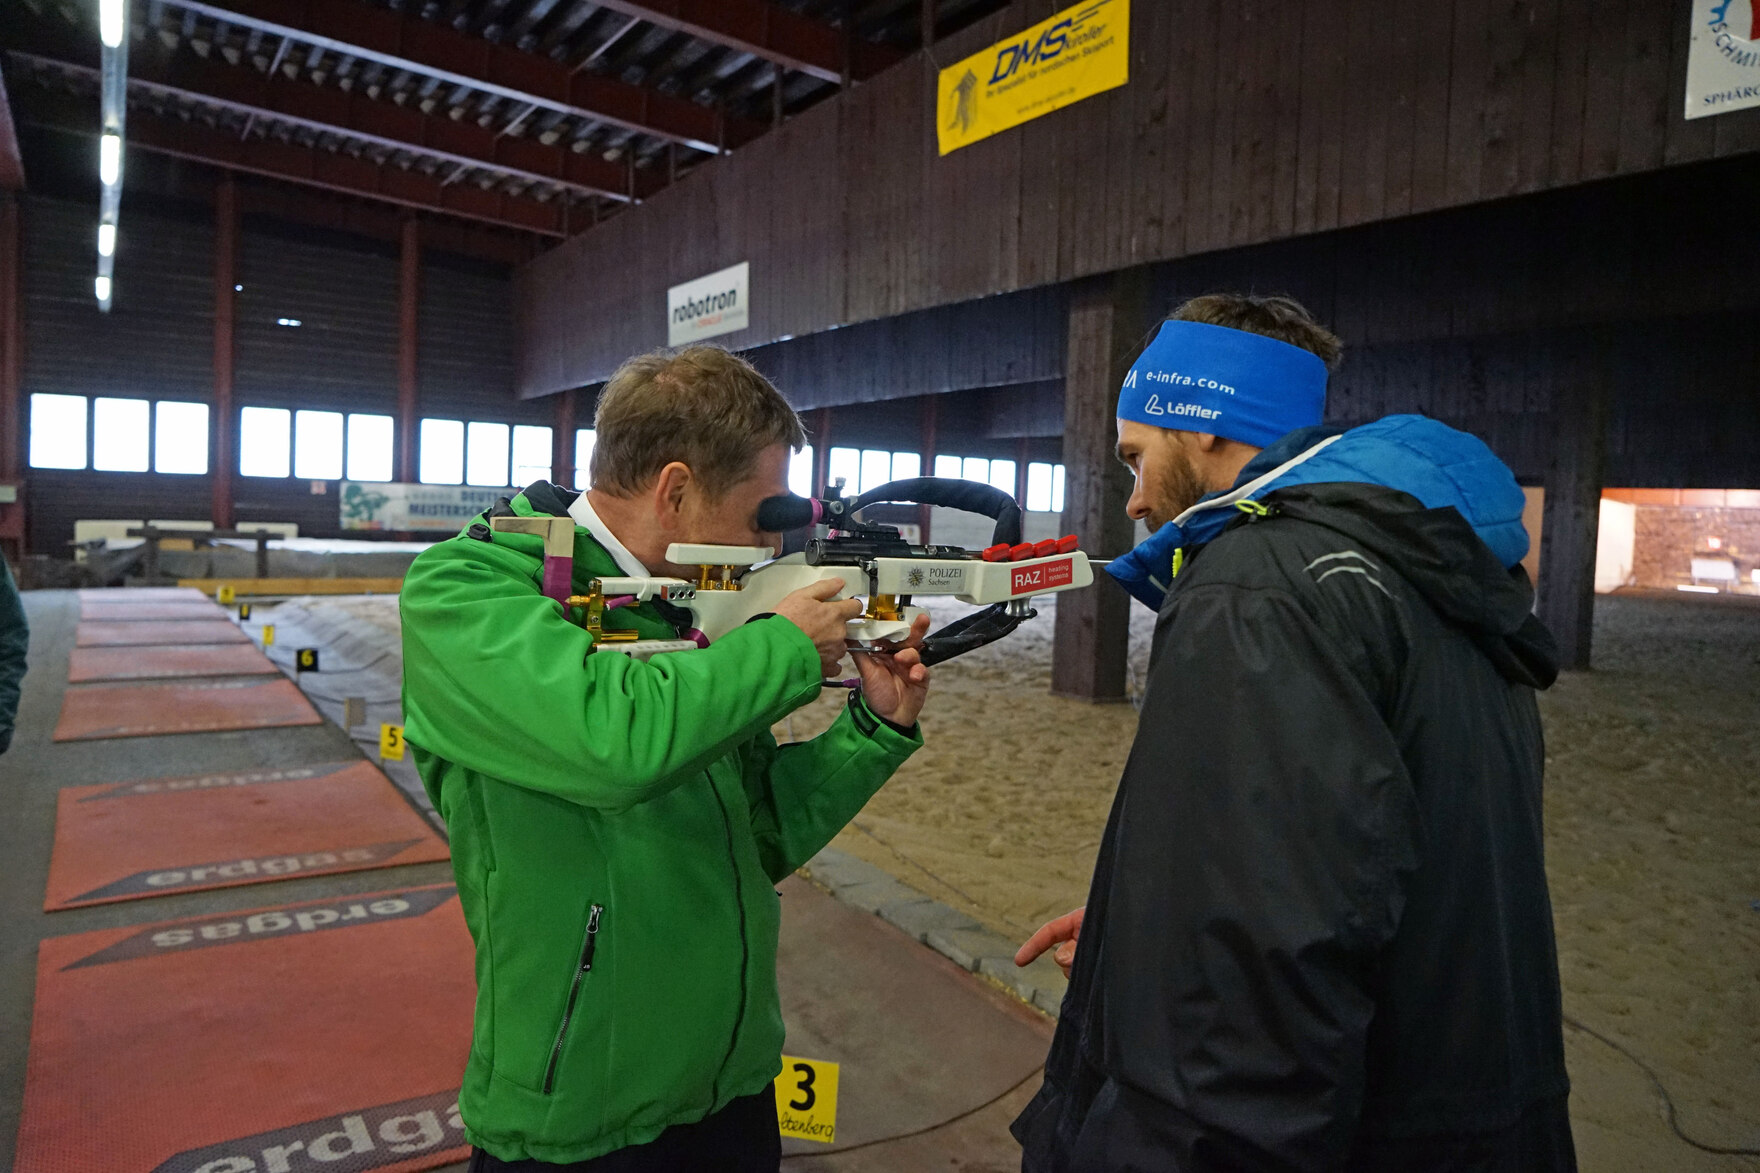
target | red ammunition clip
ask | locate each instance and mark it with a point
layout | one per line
(1068, 544)
(1045, 548)
(1021, 552)
(996, 553)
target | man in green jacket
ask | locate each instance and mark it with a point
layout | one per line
(618, 827)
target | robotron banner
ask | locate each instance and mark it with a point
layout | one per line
(1080, 52)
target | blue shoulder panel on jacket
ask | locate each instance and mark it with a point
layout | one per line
(1431, 461)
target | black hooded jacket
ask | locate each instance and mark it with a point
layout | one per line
(1319, 935)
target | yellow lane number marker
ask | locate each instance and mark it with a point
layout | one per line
(806, 1099)
(391, 743)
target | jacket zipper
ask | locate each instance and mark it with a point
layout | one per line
(588, 944)
(744, 947)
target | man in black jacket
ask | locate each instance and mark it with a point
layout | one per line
(1318, 935)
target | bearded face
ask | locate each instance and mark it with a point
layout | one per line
(1168, 483)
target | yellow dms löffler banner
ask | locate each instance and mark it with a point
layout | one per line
(1078, 53)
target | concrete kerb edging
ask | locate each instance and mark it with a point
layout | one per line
(949, 932)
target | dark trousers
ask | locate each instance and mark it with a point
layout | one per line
(741, 1138)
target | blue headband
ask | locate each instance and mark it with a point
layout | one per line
(1200, 378)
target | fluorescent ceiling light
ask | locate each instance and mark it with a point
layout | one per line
(1698, 590)
(110, 158)
(106, 239)
(102, 285)
(111, 18)
(287, 321)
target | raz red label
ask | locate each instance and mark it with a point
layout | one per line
(1042, 576)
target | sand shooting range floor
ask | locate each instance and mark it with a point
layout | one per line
(1653, 847)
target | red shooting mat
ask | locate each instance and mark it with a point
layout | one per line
(149, 663)
(108, 612)
(324, 1035)
(140, 594)
(144, 710)
(127, 840)
(159, 631)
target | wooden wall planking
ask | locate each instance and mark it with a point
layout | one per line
(1245, 121)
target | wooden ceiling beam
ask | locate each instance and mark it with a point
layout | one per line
(307, 166)
(763, 29)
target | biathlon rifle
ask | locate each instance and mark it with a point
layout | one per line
(874, 562)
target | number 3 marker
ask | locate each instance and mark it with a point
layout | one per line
(806, 1099)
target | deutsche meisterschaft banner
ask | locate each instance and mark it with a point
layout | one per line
(1080, 52)
(403, 507)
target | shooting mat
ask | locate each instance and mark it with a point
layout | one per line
(144, 710)
(127, 840)
(126, 612)
(140, 594)
(150, 663)
(325, 1035)
(217, 630)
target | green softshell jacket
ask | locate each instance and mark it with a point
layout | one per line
(618, 829)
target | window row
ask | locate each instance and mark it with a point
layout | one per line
(169, 436)
(865, 469)
(118, 435)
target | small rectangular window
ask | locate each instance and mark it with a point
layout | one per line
(1002, 476)
(317, 445)
(583, 457)
(370, 439)
(845, 464)
(1057, 489)
(876, 468)
(800, 472)
(949, 467)
(485, 454)
(532, 452)
(58, 431)
(180, 438)
(265, 437)
(906, 466)
(120, 428)
(975, 468)
(442, 461)
(1038, 487)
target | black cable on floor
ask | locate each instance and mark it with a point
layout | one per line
(1667, 1100)
(868, 1144)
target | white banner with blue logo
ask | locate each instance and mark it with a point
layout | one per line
(407, 508)
(1723, 62)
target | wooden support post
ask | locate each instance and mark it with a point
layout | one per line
(1572, 516)
(1023, 448)
(562, 455)
(931, 419)
(12, 460)
(846, 44)
(225, 462)
(821, 448)
(409, 293)
(1107, 316)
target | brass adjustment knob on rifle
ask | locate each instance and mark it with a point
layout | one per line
(593, 602)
